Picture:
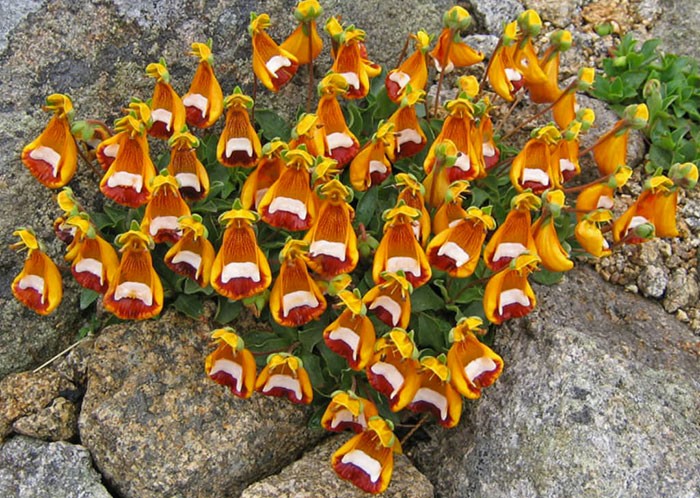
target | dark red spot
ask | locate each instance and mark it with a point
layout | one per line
(126, 196)
(240, 288)
(193, 116)
(90, 281)
(286, 220)
(345, 154)
(160, 130)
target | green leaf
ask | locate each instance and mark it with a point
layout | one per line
(227, 310)
(430, 331)
(310, 336)
(312, 364)
(272, 125)
(546, 277)
(425, 298)
(87, 297)
(190, 305)
(367, 206)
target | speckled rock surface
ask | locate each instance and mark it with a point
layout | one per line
(178, 433)
(312, 476)
(30, 395)
(599, 397)
(56, 422)
(34, 469)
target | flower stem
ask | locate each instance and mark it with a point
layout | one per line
(578, 188)
(488, 66)
(503, 120)
(415, 428)
(310, 90)
(403, 50)
(87, 161)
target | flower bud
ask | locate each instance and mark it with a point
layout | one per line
(457, 18)
(684, 175)
(530, 23)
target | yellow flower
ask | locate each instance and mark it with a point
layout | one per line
(136, 292)
(264, 175)
(589, 234)
(290, 203)
(231, 364)
(238, 145)
(167, 110)
(508, 294)
(399, 249)
(341, 145)
(304, 42)
(193, 255)
(390, 301)
(352, 334)
(372, 165)
(295, 298)
(348, 411)
(435, 394)
(240, 269)
(185, 166)
(285, 376)
(367, 459)
(331, 239)
(272, 65)
(473, 365)
(204, 101)
(514, 236)
(412, 195)
(610, 150)
(393, 370)
(451, 52)
(554, 256)
(413, 72)
(39, 285)
(164, 209)
(532, 167)
(53, 157)
(309, 133)
(352, 65)
(652, 214)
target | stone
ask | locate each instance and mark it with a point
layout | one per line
(682, 290)
(560, 13)
(652, 281)
(312, 476)
(34, 469)
(179, 433)
(28, 393)
(57, 422)
(677, 27)
(492, 15)
(598, 398)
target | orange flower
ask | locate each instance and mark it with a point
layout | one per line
(503, 75)
(304, 42)
(272, 65)
(39, 285)
(589, 234)
(372, 165)
(652, 214)
(167, 110)
(451, 52)
(410, 139)
(164, 209)
(348, 411)
(128, 179)
(489, 150)
(451, 211)
(367, 459)
(352, 65)
(548, 90)
(390, 301)
(231, 364)
(399, 249)
(295, 299)
(412, 194)
(289, 203)
(435, 394)
(94, 260)
(508, 293)
(238, 145)
(331, 239)
(413, 72)
(193, 255)
(473, 365)
(285, 376)
(53, 157)
(240, 269)
(393, 369)
(459, 128)
(457, 249)
(188, 170)
(610, 150)
(554, 256)
(264, 175)
(136, 292)
(565, 164)
(204, 101)
(106, 151)
(341, 144)
(532, 167)
(352, 334)
(514, 236)
(308, 132)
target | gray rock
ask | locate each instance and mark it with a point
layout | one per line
(26, 394)
(313, 476)
(677, 27)
(483, 43)
(598, 398)
(13, 15)
(682, 290)
(653, 281)
(493, 15)
(34, 469)
(559, 13)
(179, 433)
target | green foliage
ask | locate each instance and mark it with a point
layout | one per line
(670, 86)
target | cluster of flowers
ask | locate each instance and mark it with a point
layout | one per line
(295, 186)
